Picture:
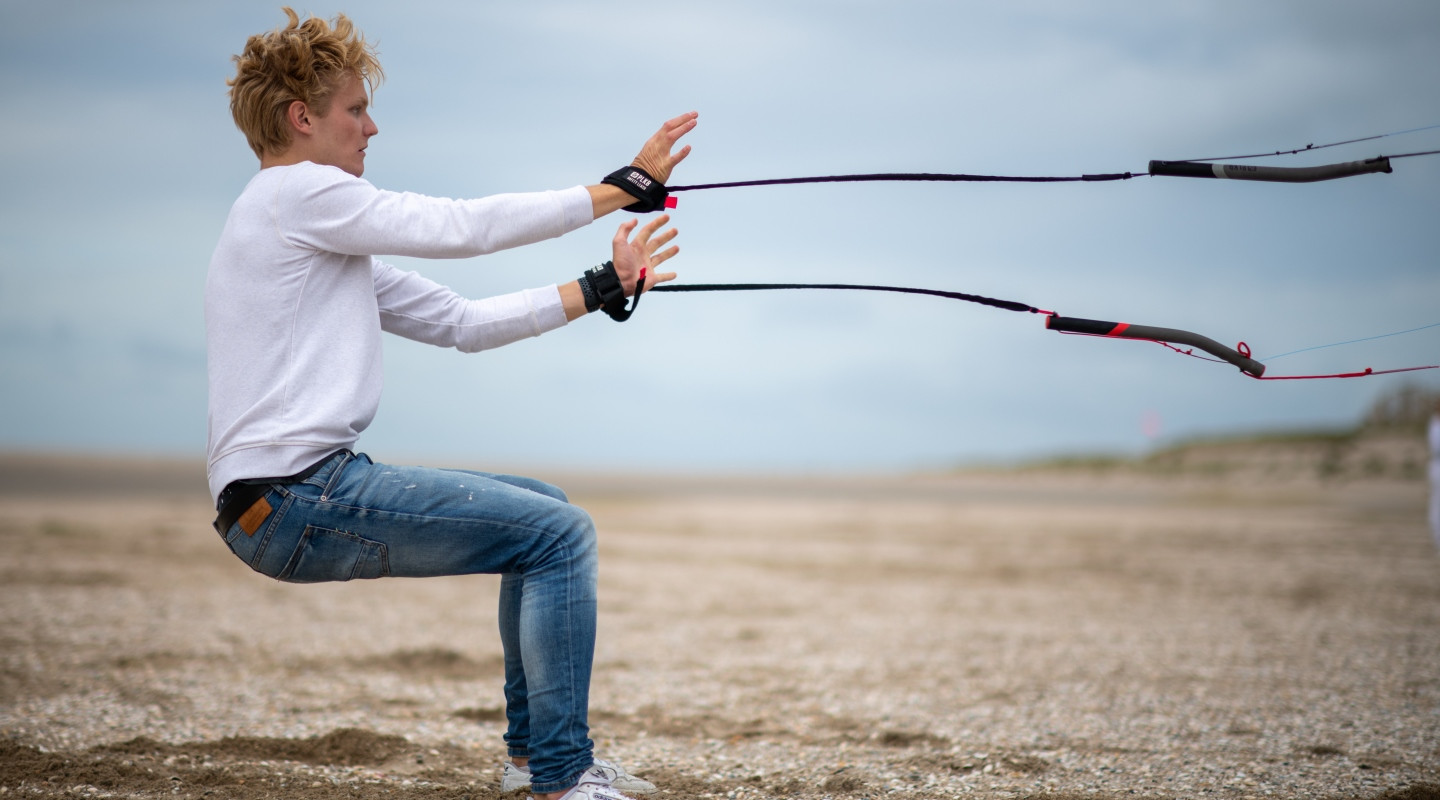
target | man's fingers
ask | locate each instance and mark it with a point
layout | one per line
(663, 239)
(674, 135)
(680, 156)
(685, 121)
(652, 226)
(664, 255)
(622, 234)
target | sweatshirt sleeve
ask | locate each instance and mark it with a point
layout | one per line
(323, 208)
(418, 308)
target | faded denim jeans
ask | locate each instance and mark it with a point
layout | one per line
(357, 519)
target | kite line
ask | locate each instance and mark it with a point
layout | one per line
(1309, 147)
(1189, 168)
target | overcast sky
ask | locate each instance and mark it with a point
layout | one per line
(120, 161)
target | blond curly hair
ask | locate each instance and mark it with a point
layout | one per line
(303, 61)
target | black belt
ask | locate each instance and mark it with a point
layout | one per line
(240, 496)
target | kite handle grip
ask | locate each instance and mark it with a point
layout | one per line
(1123, 330)
(1248, 172)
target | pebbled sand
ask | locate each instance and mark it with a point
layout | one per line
(1048, 635)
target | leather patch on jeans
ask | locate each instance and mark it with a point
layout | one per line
(252, 519)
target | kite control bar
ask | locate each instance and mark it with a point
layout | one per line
(1240, 357)
(1124, 330)
(1055, 322)
(1247, 172)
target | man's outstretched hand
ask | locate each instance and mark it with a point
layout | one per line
(658, 157)
(631, 255)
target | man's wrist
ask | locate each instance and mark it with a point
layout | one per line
(648, 192)
(605, 283)
(607, 199)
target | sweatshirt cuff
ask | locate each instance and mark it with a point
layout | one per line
(579, 209)
(548, 308)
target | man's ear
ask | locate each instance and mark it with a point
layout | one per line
(299, 116)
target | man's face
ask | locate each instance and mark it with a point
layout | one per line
(343, 133)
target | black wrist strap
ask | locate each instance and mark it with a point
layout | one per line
(587, 290)
(612, 295)
(649, 193)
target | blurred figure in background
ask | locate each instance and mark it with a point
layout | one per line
(1435, 473)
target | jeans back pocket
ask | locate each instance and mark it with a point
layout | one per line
(323, 555)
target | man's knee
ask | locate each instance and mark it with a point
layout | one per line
(549, 491)
(535, 485)
(578, 525)
(575, 534)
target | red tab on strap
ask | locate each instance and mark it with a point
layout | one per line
(671, 201)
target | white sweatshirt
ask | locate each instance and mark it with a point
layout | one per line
(295, 304)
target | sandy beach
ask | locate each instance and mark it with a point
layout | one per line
(1045, 634)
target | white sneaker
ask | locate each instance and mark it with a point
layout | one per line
(595, 784)
(615, 775)
(514, 778)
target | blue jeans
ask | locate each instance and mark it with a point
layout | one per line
(358, 519)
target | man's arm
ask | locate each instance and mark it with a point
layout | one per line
(658, 158)
(418, 308)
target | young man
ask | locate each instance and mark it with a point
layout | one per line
(295, 303)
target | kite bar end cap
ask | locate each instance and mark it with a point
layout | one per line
(1247, 365)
